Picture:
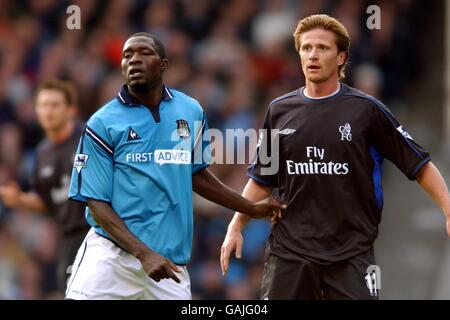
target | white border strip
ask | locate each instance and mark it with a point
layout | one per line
(98, 140)
(121, 98)
(168, 92)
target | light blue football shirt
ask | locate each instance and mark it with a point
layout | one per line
(141, 161)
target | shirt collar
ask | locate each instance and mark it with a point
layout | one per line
(125, 97)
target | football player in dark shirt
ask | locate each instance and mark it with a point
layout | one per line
(332, 141)
(55, 111)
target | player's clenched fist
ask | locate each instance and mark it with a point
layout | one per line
(268, 207)
(158, 267)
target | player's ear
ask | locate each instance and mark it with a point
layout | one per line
(342, 57)
(164, 64)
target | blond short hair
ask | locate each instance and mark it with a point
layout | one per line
(323, 21)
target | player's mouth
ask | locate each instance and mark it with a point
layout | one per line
(313, 68)
(135, 73)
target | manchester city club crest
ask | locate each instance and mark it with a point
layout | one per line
(183, 129)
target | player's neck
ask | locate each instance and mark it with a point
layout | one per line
(152, 97)
(321, 90)
(61, 134)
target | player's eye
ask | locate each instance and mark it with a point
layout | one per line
(147, 52)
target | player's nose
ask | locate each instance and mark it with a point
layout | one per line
(135, 59)
(313, 54)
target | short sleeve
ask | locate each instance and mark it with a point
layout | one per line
(92, 173)
(395, 143)
(262, 168)
(201, 153)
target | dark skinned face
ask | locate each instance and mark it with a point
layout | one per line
(142, 67)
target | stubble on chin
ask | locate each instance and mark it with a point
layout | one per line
(144, 86)
(139, 87)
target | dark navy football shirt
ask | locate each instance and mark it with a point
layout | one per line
(330, 164)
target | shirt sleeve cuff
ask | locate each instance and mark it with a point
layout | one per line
(260, 180)
(419, 166)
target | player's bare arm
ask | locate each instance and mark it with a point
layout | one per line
(208, 186)
(155, 265)
(13, 197)
(233, 241)
(431, 180)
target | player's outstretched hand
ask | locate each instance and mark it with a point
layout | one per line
(268, 207)
(233, 242)
(158, 267)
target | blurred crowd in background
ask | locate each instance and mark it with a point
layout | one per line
(233, 56)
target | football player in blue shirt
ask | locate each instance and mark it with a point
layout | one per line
(139, 159)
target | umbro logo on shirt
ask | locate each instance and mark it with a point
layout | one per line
(404, 132)
(132, 135)
(287, 131)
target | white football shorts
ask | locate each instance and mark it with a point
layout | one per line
(103, 271)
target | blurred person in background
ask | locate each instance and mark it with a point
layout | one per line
(332, 141)
(55, 107)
